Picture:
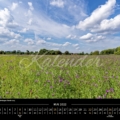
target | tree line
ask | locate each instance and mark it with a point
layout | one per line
(115, 51)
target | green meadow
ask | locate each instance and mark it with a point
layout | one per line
(60, 76)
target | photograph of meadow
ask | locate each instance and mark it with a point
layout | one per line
(59, 49)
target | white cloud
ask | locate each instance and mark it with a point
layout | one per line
(29, 13)
(41, 42)
(75, 45)
(65, 26)
(109, 25)
(89, 41)
(55, 49)
(12, 42)
(43, 26)
(69, 36)
(92, 37)
(6, 19)
(30, 22)
(30, 6)
(5, 33)
(55, 44)
(48, 38)
(66, 44)
(101, 13)
(24, 30)
(14, 6)
(86, 37)
(29, 41)
(77, 48)
(57, 3)
(73, 37)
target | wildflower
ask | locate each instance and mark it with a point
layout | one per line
(4, 78)
(36, 81)
(116, 76)
(77, 76)
(113, 76)
(38, 74)
(60, 80)
(48, 81)
(93, 76)
(68, 83)
(111, 90)
(7, 92)
(107, 91)
(99, 97)
(55, 81)
(105, 95)
(95, 85)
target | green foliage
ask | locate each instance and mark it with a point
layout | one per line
(44, 51)
(1, 52)
(58, 52)
(66, 53)
(91, 53)
(117, 53)
(107, 52)
(95, 52)
(82, 53)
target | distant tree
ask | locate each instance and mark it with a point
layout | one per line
(52, 52)
(95, 52)
(31, 53)
(91, 53)
(58, 52)
(22, 53)
(4, 52)
(8, 52)
(108, 51)
(27, 52)
(36, 52)
(43, 51)
(103, 52)
(117, 51)
(1, 52)
(14, 52)
(18, 52)
(82, 53)
(66, 53)
(86, 53)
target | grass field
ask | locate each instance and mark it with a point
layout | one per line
(65, 76)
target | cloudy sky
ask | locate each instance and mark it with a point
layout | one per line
(73, 25)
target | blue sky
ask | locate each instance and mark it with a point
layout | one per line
(73, 25)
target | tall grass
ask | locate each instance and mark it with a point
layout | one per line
(65, 76)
